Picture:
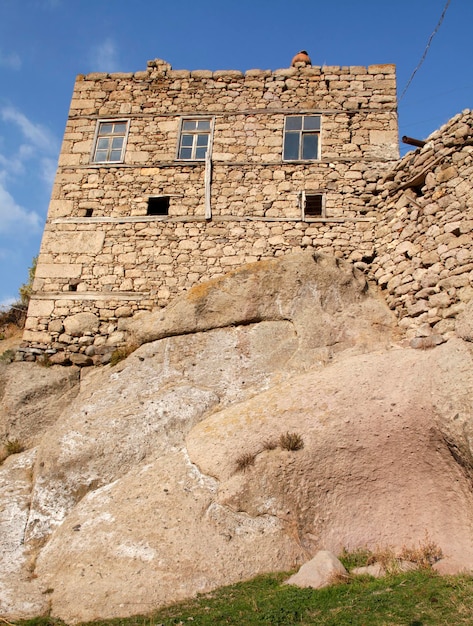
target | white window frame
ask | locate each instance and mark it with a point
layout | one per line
(302, 132)
(303, 202)
(99, 136)
(195, 133)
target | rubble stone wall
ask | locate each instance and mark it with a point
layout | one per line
(423, 236)
(103, 255)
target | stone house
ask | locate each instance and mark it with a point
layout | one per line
(170, 177)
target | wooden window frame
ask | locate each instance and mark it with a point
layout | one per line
(194, 133)
(110, 136)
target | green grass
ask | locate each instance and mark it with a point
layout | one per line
(416, 598)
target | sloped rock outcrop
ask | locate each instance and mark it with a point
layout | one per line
(132, 499)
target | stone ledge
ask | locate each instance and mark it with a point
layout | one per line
(90, 295)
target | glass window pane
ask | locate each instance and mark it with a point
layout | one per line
(294, 123)
(202, 140)
(189, 124)
(291, 146)
(120, 129)
(310, 146)
(203, 124)
(117, 143)
(102, 143)
(105, 129)
(200, 153)
(186, 140)
(312, 122)
(115, 155)
(185, 153)
(101, 155)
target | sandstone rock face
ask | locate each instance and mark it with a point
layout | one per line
(32, 397)
(327, 301)
(132, 496)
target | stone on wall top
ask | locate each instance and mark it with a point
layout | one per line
(162, 67)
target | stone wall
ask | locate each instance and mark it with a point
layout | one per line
(423, 236)
(103, 255)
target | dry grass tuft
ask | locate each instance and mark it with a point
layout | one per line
(270, 444)
(424, 555)
(291, 441)
(244, 461)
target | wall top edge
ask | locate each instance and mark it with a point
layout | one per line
(158, 67)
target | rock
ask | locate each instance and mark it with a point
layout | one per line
(376, 570)
(424, 343)
(328, 301)
(81, 360)
(464, 323)
(32, 398)
(319, 572)
(24, 599)
(59, 358)
(55, 326)
(80, 324)
(449, 566)
(133, 500)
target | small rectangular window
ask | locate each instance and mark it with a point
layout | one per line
(194, 139)
(301, 138)
(110, 142)
(158, 205)
(313, 205)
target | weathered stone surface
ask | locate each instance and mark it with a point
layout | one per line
(327, 301)
(464, 323)
(77, 325)
(135, 499)
(376, 570)
(318, 572)
(32, 398)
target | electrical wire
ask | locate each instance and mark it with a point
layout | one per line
(425, 51)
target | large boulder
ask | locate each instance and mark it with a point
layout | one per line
(137, 495)
(328, 301)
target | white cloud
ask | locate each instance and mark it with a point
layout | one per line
(104, 57)
(10, 60)
(36, 134)
(13, 217)
(27, 160)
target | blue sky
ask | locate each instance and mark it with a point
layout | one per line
(44, 44)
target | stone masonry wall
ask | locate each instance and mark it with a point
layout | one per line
(103, 256)
(423, 236)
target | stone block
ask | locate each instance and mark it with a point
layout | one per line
(40, 308)
(90, 241)
(58, 270)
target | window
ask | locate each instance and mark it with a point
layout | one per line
(158, 205)
(301, 138)
(110, 142)
(313, 205)
(194, 139)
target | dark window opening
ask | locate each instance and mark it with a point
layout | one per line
(72, 287)
(89, 212)
(313, 205)
(158, 205)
